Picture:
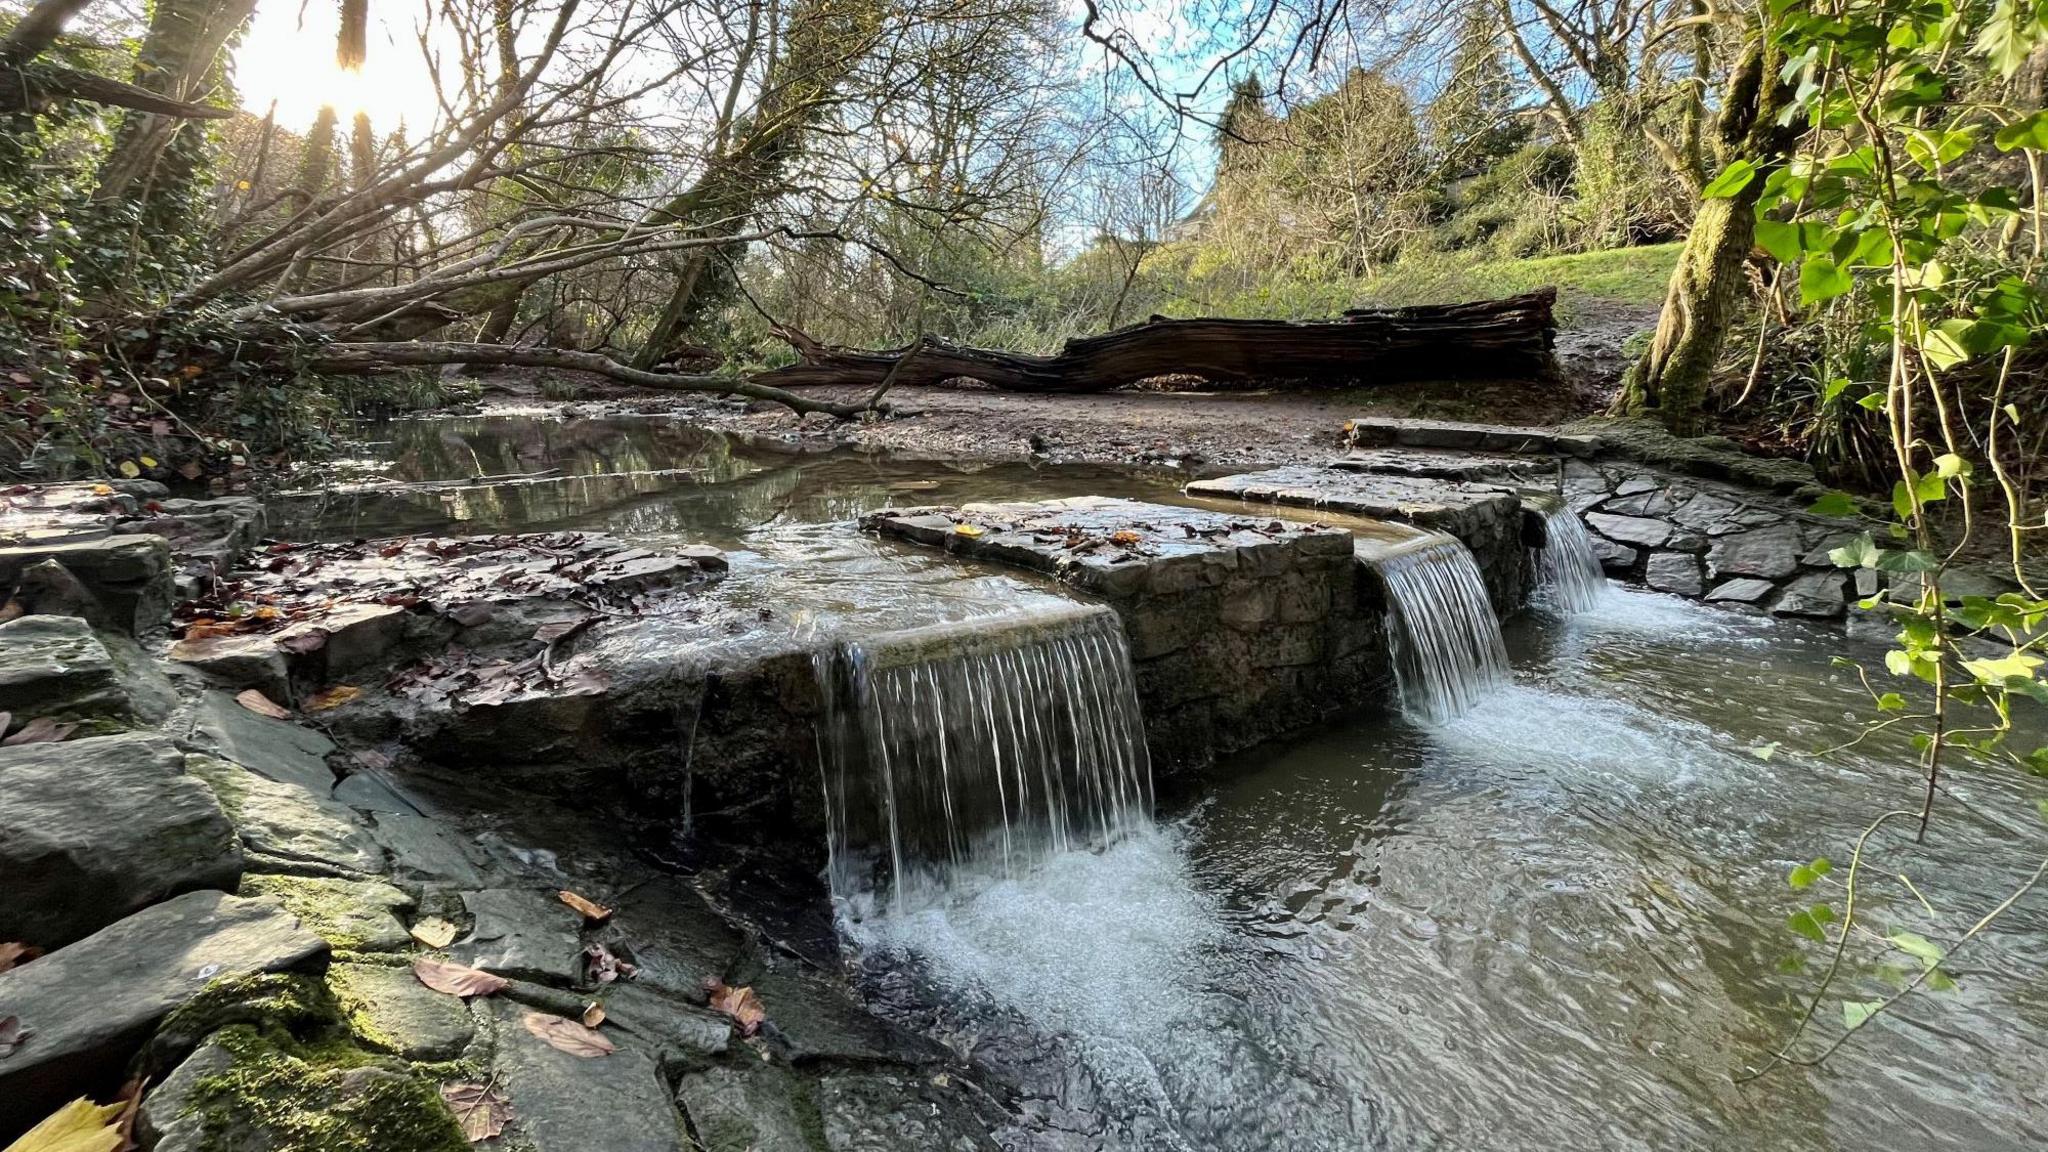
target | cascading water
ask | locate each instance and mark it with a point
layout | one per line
(961, 752)
(1448, 651)
(1568, 575)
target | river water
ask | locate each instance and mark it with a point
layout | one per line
(1557, 921)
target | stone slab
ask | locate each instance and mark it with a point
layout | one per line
(1381, 431)
(288, 828)
(618, 1102)
(88, 1006)
(351, 915)
(391, 1011)
(1770, 553)
(129, 576)
(276, 749)
(55, 666)
(522, 932)
(92, 830)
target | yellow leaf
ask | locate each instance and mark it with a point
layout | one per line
(80, 1126)
(334, 697)
(590, 910)
(434, 932)
(149, 461)
(593, 1014)
(103, 489)
(967, 529)
(130, 469)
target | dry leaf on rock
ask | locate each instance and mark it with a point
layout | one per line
(262, 705)
(14, 954)
(480, 1109)
(455, 979)
(12, 1034)
(41, 730)
(593, 1015)
(434, 932)
(740, 1004)
(80, 1126)
(371, 758)
(590, 910)
(605, 967)
(569, 1036)
(334, 697)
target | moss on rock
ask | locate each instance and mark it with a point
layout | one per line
(351, 915)
(284, 1094)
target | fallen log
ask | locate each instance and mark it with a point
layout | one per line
(1503, 338)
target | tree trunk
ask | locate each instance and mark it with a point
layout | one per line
(180, 59)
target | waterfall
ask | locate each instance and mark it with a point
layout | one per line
(1446, 640)
(1568, 576)
(960, 752)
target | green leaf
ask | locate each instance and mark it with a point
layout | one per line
(1861, 552)
(1734, 178)
(2006, 38)
(2003, 668)
(1804, 924)
(1765, 751)
(1781, 240)
(1948, 466)
(1803, 875)
(2026, 132)
(1891, 702)
(1873, 401)
(1917, 946)
(1908, 560)
(1837, 505)
(1855, 1012)
(1943, 344)
(1820, 280)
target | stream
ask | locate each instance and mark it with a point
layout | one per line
(1556, 921)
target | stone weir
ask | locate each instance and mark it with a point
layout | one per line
(1242, 628)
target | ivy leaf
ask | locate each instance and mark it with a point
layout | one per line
(2006, 38)
(1780, 239)
(1943, 344)
(2026, 132)
(1917, 946)
(1836, 505)
(2003, 668)
(1820, 280)
(1734, 178)
(1803, 875)
(1855, 1012)
(1948, 466)
(1891, 702)
(1861, 552)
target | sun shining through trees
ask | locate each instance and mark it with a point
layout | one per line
(288, 57)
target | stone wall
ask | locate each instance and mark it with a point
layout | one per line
(1241, 629)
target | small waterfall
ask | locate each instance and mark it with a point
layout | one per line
(1568, 576)
(960, 752)
(1447, 646)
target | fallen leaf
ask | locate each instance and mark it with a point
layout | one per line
(569, 1036)
(593, 1015)
(371, 758)
(103, 489)
(605, 967)
(80, 1126)
(966, 530)
(334, 697)
(41, 730)
(455, 979)
(480, 1109)
(130, 469)
(130, 1100)
(434, 932)
(14, 954)
(589, 909)
(1126, 538)
(12, 1034)
(262, 705)
(740, 1004)
(12, 610)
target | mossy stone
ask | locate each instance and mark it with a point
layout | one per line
(352, 915)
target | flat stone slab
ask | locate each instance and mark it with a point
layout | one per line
(128, 577)
(1383, 431)
(522, 932)
(562, 1102)
(92, 830)
(352, 915)
(1463, 509)
(55, 666)
(1114, 548)
(284, 752)
(391, 1011)
(288, 828)
(86, 1008)
(1439, 464)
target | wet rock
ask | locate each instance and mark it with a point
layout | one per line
(1704, 511)
(566, 1103)
(425, 849)
(881, 1112)
(1674, 572)
(680, 1035)
(206, 536)
(357, 636)
(1817, 594)
(1636, 531)
(1741, 591)
(88, 1006)
(128, 576)
(280, 751)
(1766, 553)
(238, 662)
(54, 666)
(92, 830)
(391, 1011)
(757, 1108)
(368, 791)
(286, 828)
(1615, 559)
(674, 937)
(1656, 502)
(49, 589)
(522, 932)
(351, 915)
(817, 1021)
(1382, 431)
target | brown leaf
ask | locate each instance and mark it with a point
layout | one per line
(14, 955)
(12, 610)
(334, 697)
(12, 1034)
(605, 967)
(304, 643)
(569, 1036)
(593, 1014)
(130, 1100)
(589, 909)
(480, 1109)
(1127, 538)
(455, 979)
(262, 705)
(434, 932)
(745, 1008)
(371, 758)
(41, 730)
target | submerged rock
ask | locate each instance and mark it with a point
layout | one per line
(92, 830)
(90, 1005)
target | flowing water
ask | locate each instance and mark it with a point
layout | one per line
(956, 754)
(1554, 920)
(1448, 654)
(1568, 576)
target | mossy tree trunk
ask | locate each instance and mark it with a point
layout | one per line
(1672, 379)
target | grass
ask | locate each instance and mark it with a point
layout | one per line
(1629, 276)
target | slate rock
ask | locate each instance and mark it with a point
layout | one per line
(1766, 553)
(238, 662)
(92, 830)
(351, 915)
(89, 1006)
(276, 749)
(1704, 511)
(289, 828)
(1817, 595)
(1615, 559)
(1637, 531)
(129, 576)
(815, 1020)
(680, 1035)
(368, 791)
(423, 848)
(750, 1108)
(1741, 591)
(882, 1112)
(54, 666)
(522, 932)
(618, 1102)
(391, 1011)
(1674, 572)
(677, 940)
